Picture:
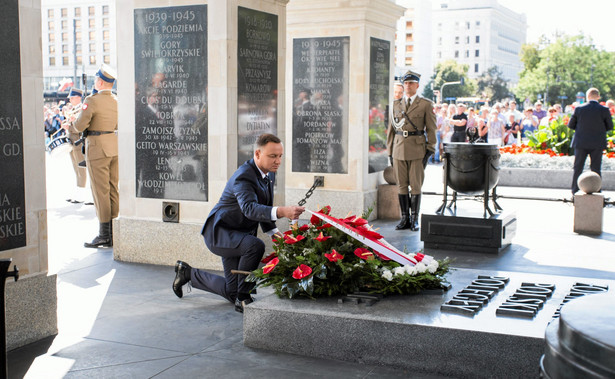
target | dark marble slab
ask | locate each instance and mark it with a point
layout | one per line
(379, 76)
(257, 78)
(171, 103)
(12, 188)
(320, 105)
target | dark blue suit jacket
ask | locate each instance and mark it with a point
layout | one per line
(590, 121)
(245, 202)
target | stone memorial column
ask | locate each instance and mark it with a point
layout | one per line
(340, 78)
(197, 83)
(31, 302)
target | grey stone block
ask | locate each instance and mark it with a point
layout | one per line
(388, 203)
(588, 213)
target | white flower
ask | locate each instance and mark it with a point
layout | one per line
(433, 266)
(410, 270)
(388, 275)
(399, 270)
(420, 267)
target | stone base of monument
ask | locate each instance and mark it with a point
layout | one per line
(388, 202)
(588, 213)
(468, 232)
(581, 343)
(494, 335)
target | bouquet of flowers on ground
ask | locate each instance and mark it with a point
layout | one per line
(331, 256)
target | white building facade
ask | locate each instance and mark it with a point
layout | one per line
(413, 48)
(77, 37)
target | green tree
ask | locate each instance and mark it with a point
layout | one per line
(493, 85)
(569, 65)
(450, 71)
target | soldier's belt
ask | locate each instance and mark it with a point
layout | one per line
(96, 133)
(406, 133)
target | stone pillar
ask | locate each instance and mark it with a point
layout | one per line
(197, 83)
(340, 69)
(31, 302)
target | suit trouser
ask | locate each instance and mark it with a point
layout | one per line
(409, 173)
(104, 176)
(245, 257)
(76, 156)
(580, 156)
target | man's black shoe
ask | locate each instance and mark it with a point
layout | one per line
(99, 241)
(240, 304)
(182, 277)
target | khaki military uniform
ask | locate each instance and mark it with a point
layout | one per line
(76, 156)
(419, 122)
(99, 114)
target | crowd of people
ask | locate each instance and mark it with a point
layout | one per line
(502, 123)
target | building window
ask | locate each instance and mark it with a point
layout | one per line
(92, 36)
(409, 38)
(409, 61)
(77, 12)
(477, 53)
(477, 39)
(467, 53)
(64, 37)
(92, 59)
(106, 59)
(49, 13)
(456, 53)
(105, 35)
(439, 55)
(52, 49)
(77, 24)
(408, 24)
(52, 61)
(105, 22)
(467, 40)
(478, 24)
(64, 61)
(77, 36)
(457, 40)
(105, 9)
(91, 11)
(52, 37)
(475, 67)
(92, 23)
(50, 25)
(468, 25)
(65, 49)
(92, 47)
(79, 59)
(439, 40)
(78, 47)
(106, 47)
(64, 12)
(64, 24)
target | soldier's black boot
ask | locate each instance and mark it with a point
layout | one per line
(103, 239)
(415, 206)
(404, 205)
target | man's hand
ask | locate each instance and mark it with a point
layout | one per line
(426, 157)
(291, 212)
(391, 160)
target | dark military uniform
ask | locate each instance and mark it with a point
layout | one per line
(99, 118)
(411, 138)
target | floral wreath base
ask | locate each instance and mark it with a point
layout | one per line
(317, 260)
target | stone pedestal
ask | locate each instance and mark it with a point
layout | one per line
(192, 107)
(469, 232)
(388, 202)
(588, 213)
(340, 65)
(31, 301)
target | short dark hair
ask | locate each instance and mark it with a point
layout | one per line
(264, 139)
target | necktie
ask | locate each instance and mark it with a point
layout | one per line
(266, 183)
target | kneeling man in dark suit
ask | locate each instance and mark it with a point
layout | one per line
(230, 228)
(591, 122)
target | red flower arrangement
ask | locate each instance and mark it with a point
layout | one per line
(270, 266)
(322, 238)
(363, 253)
(302, 271)
(334, 256)
(289, 239)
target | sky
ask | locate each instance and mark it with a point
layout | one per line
(595, 19)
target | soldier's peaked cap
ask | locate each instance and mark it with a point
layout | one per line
(75, 92)
(106, 73)
(411, 76)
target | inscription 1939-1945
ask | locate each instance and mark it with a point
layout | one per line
(12, 190)
(170, 102)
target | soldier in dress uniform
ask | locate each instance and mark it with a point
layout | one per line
(76, 155)
(411, 139)
(98, 122)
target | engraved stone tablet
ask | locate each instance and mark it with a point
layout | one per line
(170, 102)
(320, 105)
(12, 191)
(257, 79)
(379, 62)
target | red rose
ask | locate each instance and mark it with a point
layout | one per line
(334, 256)
(270, 266)
(302, 271)
(363, 253)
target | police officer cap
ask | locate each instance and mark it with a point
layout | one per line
(75, 92)
(411, 76)
(106, 73)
